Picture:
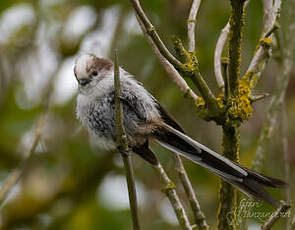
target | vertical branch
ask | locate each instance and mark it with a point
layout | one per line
(169, 190)
(191, 25)
(218, 52)
(224, 63)
(284, 130)
(266, 134)
(280, 91)
(293, 223)
(217, 55)
(235, 37)
(123, 147)
(231, 138)
(227, 193)
(271, 12)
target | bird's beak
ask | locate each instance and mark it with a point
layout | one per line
(84, 81)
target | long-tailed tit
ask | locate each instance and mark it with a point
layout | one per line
(145, 119)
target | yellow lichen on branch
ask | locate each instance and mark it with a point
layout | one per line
(241, 108)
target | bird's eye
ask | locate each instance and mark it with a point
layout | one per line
(94, 74)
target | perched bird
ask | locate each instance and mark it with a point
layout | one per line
(145, 119)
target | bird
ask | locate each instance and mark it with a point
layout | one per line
(146, 120)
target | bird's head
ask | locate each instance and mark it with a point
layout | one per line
(89, 69)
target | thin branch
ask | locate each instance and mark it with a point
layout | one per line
(218, 53)
(191, 25)
(275, 216)
(169, 190)
(175, 76)
(271, 11)
(188, 69)
(224, 63)
(118, 29)
(199, 216)
(260, 97)
(293, 223)
(266, 134)
(284, 139)
(280, 91)
(13, 178)
(192, 71)
(153, 33)
(122, 146)
(169, 68)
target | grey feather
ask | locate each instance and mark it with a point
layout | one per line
(144, 118)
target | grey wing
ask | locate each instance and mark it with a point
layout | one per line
(139, 110)
(135, 96)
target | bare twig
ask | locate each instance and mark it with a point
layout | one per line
(169, 190)
(293, 223)
(169, 68)
(13, 178)
(191, 69)
(175, 76)
(118, 29)
(16, 174)
(224, 62)
(259, 97)
(199, 216)
(282, 83)
(191, 25)
(188, 69)
(218, 53)
(266, 134)
(150, 29)
(122, 146)
(271, 11)
(275, 216)
(284, 139)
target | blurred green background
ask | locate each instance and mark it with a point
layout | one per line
(70, 183)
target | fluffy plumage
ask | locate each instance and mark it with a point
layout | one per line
(145, 119)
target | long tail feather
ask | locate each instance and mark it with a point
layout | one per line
(248, 181)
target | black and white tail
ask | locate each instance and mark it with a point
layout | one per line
(248, 181)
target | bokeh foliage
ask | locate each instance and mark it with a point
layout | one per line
(60, 189)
